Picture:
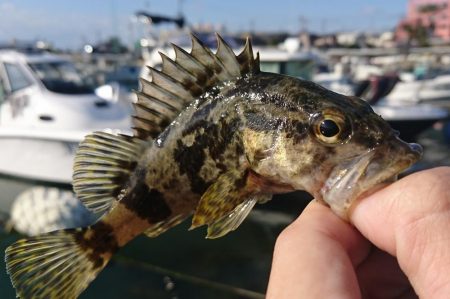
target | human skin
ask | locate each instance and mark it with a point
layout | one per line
(398, 245)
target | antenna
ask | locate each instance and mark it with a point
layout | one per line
(180, 8)
(114, 19)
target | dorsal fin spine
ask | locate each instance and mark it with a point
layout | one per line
(201, 53)
(255, 65)
(153, 117)
(227, 58)
(212, 64)
(246, 60)
(158, 106)
(169, 83)
(162, 95)
(187, 61)
(177, 71)
(145, 123)
(147, 112)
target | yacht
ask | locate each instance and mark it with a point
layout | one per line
(46, 109)
(300, 64)
(409, 116)
(434, 91)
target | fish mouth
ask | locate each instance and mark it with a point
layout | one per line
(359, 175)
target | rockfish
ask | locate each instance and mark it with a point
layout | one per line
(213, 136)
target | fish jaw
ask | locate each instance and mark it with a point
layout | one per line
(352, 177)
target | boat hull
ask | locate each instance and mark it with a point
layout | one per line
(409, 130)
(38, 158)
(410, 121)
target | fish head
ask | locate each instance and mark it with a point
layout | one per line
(333, 146)
(371, 153)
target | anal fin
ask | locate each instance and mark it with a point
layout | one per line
(163, 226)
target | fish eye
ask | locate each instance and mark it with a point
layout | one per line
(328, 128)
(331, 127)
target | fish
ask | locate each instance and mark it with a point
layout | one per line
(213, 135)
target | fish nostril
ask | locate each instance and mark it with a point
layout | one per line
(416, 147)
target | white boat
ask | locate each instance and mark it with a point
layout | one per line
(411, 120)
(335, 82)
(435, 91)
(121, 85)
(300, 64)
(45, 111)
(408, 116)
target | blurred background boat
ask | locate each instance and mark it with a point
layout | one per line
(410, 91)
(45, 111)
(408, 117)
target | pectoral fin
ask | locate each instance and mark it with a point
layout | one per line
(232, 221)
(222, 197)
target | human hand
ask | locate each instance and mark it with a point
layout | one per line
(321, 256)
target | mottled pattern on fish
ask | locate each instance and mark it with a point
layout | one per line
(213, 136)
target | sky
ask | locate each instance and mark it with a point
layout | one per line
(71, 24)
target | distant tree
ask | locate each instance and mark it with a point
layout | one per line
(419, 33)
(430, 8)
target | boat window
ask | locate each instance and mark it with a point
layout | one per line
(301, 69)
(270, 66)
(127, 76)
(442, 87)
(61, 77)
(17, 79)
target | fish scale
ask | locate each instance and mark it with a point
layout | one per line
(213, 136)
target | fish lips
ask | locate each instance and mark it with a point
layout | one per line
(352, 177)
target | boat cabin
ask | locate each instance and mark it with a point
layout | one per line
(45, 90)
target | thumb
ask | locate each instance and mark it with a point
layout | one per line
(410, 219)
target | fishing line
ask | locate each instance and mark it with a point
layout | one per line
(189, 278)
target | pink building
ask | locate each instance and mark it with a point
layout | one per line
(431, 14)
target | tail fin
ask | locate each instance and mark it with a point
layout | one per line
(54, 265)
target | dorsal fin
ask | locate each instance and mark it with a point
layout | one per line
(227, 58)
(182, 80)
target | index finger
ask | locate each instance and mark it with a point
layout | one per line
(410, 219)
